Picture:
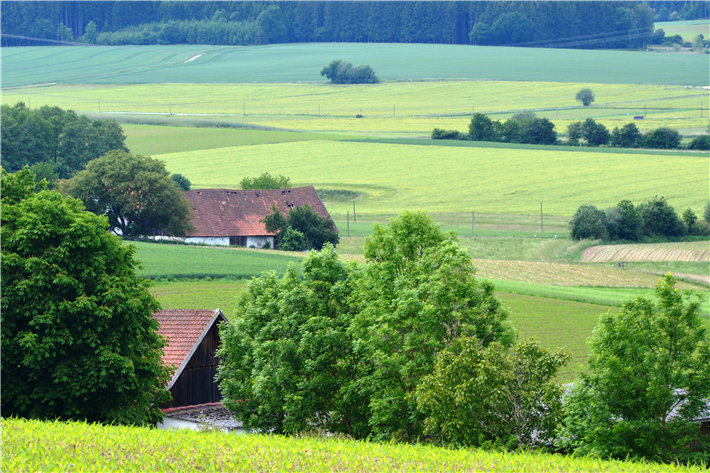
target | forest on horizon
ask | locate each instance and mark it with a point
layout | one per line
(595, 24)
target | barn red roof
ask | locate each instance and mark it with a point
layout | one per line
(226, 212)
(184, 330)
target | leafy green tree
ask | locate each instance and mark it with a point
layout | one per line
(662, 138)
(481, 34)
(417, 295)
(511, 28)
(586, 96)
(496, 394)
(588, 222)
(706, 212)
(628, 136)
(265, 181)
(271, 26)
(45, 171)
(631, 224)
(647, 378)
(79, 340)
(540, 131)
(341, 72)
(293, 240)
(660, 219)
(20, 185)
(64, 33)
(481, 128)
(438, 134)
(287, 361)
(315, 230)
(90, 34)
(136, 194)
(689, 218)
(595, 133)
(181, 181)
(574, 133)
(700, 143)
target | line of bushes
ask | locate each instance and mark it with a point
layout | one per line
(528, 128)
(653, 219)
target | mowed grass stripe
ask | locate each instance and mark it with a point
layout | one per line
(438, 179)
(303, 62)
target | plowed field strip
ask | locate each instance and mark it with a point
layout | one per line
(686, 251)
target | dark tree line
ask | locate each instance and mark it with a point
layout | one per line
(550, 24)
(61, 138)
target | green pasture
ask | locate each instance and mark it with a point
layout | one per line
(303, 63)
(457, 179)
(183, 261)
(688, 30)
(33, 445)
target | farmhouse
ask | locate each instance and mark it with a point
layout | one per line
(232, 217)
(193, 338)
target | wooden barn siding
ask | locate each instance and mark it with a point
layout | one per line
(196, 384)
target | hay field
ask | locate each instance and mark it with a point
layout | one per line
(457, 179)
(303, 63)
(687, 251)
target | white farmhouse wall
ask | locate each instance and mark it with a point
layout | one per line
(260, 241)
(217, 241)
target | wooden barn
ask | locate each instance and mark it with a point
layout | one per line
(193, 339)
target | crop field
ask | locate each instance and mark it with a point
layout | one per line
(687, 29)
(566, 274)
(150, 140)
(687, 251)
(32, 445)
(182, 261)
(456, 179)
(303, 63)
(198, 294)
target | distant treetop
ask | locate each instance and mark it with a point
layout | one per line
(265, 181)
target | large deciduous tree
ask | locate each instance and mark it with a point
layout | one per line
(588, 222)
(265, 181)
(648, 377)
(79, 340)
(418, 294)
(315, 231)
(586, 96)
(136, 194)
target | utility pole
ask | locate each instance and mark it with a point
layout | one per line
(354, 216)
(540, 217)
(348, 224)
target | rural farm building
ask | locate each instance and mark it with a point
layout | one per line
(193, 339)
(232, 217)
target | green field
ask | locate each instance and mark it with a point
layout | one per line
(687, 29)
(182, 261)
(31, 445)
(456, 179)
(303, 62)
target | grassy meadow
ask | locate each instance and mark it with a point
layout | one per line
(31, 445)
(303, 62)
(456, 179)
(688, 30)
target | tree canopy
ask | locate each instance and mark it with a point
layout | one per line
(302, 229)
(265, 181)
(60, 137)
(79, 340)
(341, 72)
(586, 96)
(136, 194)
(648, 377)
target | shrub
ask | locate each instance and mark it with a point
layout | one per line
(181, 181)
(628, 136)
(700, 143)
(660, 219)
(662, 138)
(588, 222)
(265, 181)
(540, 131)
(481, 128)
(438, 134)
(492, 394)
(293, 240)
(315, 230)
(706, 212)
(341, 72)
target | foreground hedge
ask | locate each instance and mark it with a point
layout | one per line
(29, 445)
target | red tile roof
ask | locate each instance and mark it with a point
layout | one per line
(226, 212)
(184, 330)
